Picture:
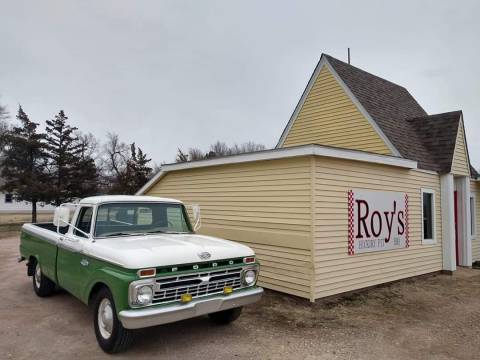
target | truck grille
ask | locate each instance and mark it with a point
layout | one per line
(200, 284)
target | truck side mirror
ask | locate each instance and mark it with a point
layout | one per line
(61, 216)
(196, 218)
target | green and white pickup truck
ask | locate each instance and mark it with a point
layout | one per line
(137, 261)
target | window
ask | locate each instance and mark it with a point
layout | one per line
(84, 221)
(428, 216)
(121, 219)
(473, 217)
(8, 198)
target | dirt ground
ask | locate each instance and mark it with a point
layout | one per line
(435, 317)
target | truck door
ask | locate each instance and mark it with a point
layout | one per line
(72, 266)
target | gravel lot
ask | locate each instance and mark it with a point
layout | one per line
(434, 317)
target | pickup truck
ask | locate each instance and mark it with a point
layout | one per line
(137, 261)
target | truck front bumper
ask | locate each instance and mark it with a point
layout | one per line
(135, 319)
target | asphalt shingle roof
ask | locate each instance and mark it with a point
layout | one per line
(428, 139)
(438, 134)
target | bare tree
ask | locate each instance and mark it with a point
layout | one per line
(4, 115)
(218, 149)
(250, 146)
(89, 144)
(115, 155)
(4, 126)
(181, 156)
(124, 166)
(195, 154)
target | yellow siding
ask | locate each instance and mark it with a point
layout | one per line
(263, 204)
(475, 190)
(329, 117)
(460, 164)
(335, 270)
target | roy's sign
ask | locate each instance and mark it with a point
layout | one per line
(377, 221)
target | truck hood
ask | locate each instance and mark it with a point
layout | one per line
(137, 252)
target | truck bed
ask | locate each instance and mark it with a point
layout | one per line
(50, 226)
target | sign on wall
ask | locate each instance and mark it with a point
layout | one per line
(377, 221)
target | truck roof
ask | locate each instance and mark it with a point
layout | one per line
(94, 200)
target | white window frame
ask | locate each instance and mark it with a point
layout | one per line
(473, 215)
(433, 240)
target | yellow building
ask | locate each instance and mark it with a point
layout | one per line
(363, 188)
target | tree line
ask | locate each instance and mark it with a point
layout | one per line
(62, 164)
(216, 150)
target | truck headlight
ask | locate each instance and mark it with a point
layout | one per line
(144, 295)
(141, 292)
(249, 276)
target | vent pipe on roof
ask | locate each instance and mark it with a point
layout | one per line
(348, 50)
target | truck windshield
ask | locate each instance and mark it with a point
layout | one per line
(118, 219)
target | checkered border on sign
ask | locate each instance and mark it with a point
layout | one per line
(407, 231)
(351, 246)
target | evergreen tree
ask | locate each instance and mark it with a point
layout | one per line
(84, 181)
(135, 173)
(72, 173)
(23, 162)
(138, 169)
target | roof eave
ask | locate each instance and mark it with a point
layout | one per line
(283, 153)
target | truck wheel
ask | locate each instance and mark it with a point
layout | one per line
(111, 335)
(226, 316)
(42, 285)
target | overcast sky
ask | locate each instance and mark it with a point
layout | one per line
(170, 74)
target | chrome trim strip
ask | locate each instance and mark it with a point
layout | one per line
(136, 319)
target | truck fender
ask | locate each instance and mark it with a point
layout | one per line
(114, 281)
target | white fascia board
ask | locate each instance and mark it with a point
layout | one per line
(283, 153)
(324, 62)
(466, 145)
(364, 156)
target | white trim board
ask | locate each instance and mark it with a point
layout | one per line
(283, 153)
(473, 216)
(433, 240)
(324, 62)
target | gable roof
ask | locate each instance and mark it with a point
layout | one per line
(397, 117)
(438, 134)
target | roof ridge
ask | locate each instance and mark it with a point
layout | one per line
(430, 116)
(366, 72)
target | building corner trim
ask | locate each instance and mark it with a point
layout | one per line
(448, 222)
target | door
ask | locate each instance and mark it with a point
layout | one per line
(72, 266)
(455, 204)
